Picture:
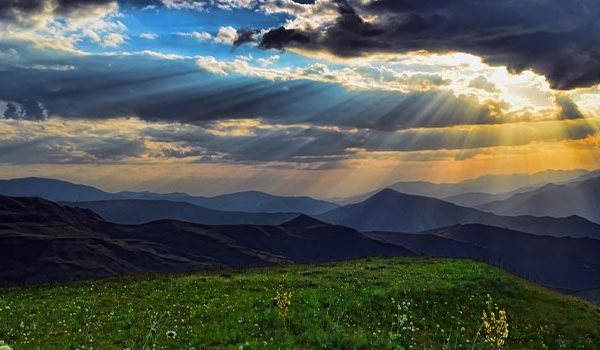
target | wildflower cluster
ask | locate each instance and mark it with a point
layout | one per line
(284, 302)
(495, 325)
(403, 328)
(4, 346)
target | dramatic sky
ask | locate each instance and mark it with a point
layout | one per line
(325, 97)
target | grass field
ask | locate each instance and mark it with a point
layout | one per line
(397, 303)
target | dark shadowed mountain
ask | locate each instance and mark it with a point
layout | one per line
(51, 189)
(250, 201)
(564, 263)
(42, 241)
(139, 211)
(489, 184)
(578, 198)
(392, 211)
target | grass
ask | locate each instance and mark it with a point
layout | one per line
(397, 303)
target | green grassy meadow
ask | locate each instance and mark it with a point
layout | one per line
(396, 303)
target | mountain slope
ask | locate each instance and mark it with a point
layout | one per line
(132, 211)
(579, 198)
(569, 264)
(392, 211)
(42, 241)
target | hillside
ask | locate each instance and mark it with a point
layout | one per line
(366, 304)
(568, 264)
(393, 211)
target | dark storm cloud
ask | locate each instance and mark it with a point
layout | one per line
(69, 150)
(19, 10)
(245, 36)
(559, 39)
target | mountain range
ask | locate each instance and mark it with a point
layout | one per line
(43, 241)
(579, 198)
(249, 201)
(392, 211)
(498, 184)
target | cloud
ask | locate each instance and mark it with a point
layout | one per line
(113, 40)
(60, 25)
(555, 38)
(482, 83)
(226, 35)
(25, 110)
(568, 108)
(149, 36)
(268, 61)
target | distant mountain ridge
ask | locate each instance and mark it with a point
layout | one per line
(487, 184)
(139, 211)
(248, 201)
(393, 211)
(577, 198)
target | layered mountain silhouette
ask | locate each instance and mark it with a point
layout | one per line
(249, 201)
(484, 185)
(139, 211)
(42, 241)
(564, 263)
(578, 198)
(392, 211)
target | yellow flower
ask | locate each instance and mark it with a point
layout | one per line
(284, 302)
(495, 325)
(4, 346)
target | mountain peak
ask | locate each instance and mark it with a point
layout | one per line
(304, 221)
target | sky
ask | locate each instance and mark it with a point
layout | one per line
(327, 98)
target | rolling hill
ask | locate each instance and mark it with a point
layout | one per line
(392, 211)
(341, 305)
(569, 264)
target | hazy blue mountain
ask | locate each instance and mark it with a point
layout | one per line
(138, 211)
(475, 199)
(578, 198)
(564, 263)
(489, 184)
(51, 189)
(260, 202)
(249, 201)
(393, 211)
(42, 241)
